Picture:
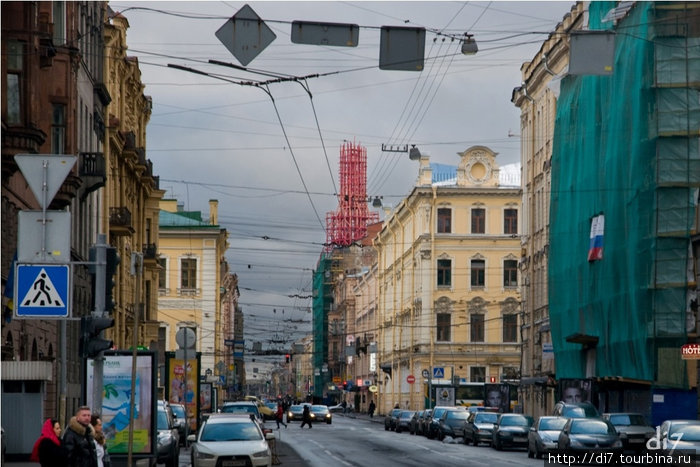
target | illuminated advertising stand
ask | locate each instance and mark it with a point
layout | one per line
(179, 391)
(116, 401)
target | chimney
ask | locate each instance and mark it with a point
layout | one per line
(213, 212)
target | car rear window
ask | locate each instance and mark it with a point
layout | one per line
(240, 431)
(486, 417)
(552, 423)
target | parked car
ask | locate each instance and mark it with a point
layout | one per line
(634, 430)
(320, 413)
(669, 429)
(413, 424)
(575, 410)
(230, 439)
(588, 435)
(249, 408)
(168, 441)
(423, 421)
(180, 420)
(294, 413)
(478, 428)
(685, 437)
(433, 428)
(544, 436)
(452, 422)
(390, 419)
(511, 430)
(403, 421)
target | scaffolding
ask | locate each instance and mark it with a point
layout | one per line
(349, 222)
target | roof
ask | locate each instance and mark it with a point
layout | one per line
(188, 219)
(446, 175)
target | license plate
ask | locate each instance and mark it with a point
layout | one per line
(519, 439)
(233, 463)
(636, 440)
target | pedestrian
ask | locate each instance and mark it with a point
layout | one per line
(279, 416)
(78, 440)
(100, 448)
(371, 409)
(306, 416)
(47, 449)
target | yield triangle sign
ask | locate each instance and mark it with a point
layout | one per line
(55, 166)
(42, 293)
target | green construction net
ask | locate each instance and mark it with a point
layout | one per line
(626, 146)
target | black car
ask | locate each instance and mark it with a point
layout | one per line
(390, 419)
(479, 427)
(403, 421)
(634, 430)
(451, 423)
(511, 430)
(423, 421)
(589, 435)
(180, 420)
(413, 425)
(433, 428)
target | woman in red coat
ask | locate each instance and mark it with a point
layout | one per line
(47, 449)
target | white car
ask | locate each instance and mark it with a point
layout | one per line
(230, 440)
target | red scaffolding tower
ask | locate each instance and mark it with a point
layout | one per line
(349, 222)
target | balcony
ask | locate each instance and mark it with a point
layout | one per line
(120, 222)
(150, 250)
(92, 171)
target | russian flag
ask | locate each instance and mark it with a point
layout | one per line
(595, 250)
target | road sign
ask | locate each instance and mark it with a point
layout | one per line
(53, 168)
(42, 290)
(425, 374)
(228, 342)
(410, 379)
(330, 34)
(31, 236)
(245, 35)
(438, 372)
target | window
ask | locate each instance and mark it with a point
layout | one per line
(477, 374)
(444, 220)
(478, 273)
(188, 268)
(478, 221)
(163, 274)
(444, 272)
(510, 273)
(15, 67)
(59, 23)
(476, 321)
(58, 129)
(510, 221)
(443, 327)
(510, 328)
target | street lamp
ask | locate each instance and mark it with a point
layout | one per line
(469, 46)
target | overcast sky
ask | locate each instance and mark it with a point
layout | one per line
(210, 138)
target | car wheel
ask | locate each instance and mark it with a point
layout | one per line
(328, 422)
(497, 444)
(538, 453)
(386, 428)
(475, 441)
(398, 430)
(530, 454)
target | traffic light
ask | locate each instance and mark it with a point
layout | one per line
(113, 261)
(91, 340)
(286, 358)
(345, 385)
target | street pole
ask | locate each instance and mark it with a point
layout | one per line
(137, 270)
(99, 312)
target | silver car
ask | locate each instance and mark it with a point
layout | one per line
(231, 440)
(544, 436)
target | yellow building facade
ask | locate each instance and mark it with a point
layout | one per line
(128, 210)
(192, 266)
(448, 285)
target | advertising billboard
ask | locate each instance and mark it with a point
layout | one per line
(182, 387)
(116, 401)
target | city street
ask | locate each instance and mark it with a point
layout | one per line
(358, 442)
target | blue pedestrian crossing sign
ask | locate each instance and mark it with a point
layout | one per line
(42, 290)
(438, 372)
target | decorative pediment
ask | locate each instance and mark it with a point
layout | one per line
(476, 305)
(478, 256)
(509, 305)
(478, 167)
(443, 256)
(443, 305)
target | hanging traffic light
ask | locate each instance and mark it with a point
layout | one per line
(286, 358)
(91, 337)
(113, 261)
(345, 385)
